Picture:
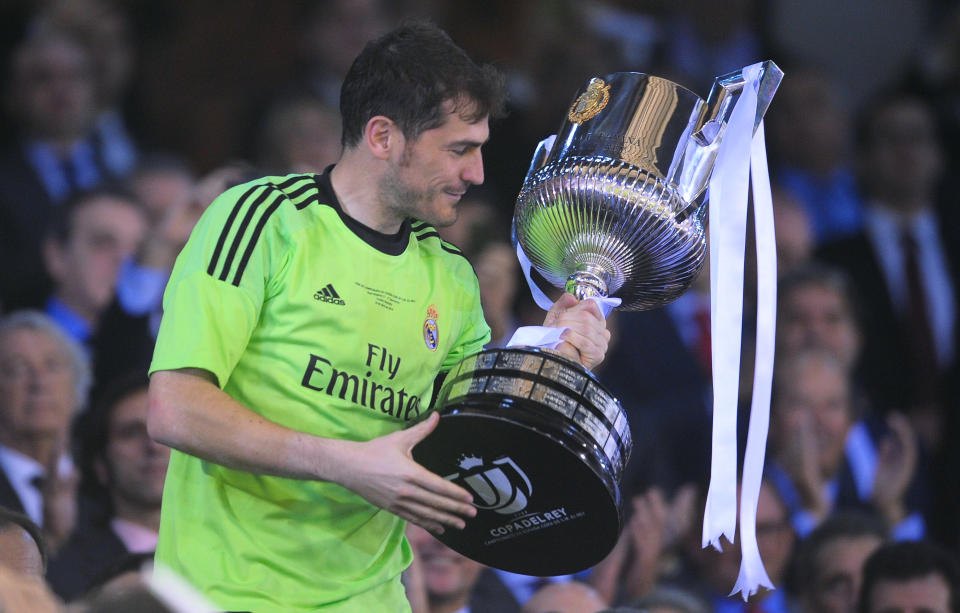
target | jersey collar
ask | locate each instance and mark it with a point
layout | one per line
(391, 244)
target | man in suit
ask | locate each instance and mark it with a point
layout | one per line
(905, 265)
(124, 467)
(44, 378)
(52, 99)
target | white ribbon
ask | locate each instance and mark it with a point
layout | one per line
(728, 219)
(543, 336)
(752, 573)
(729, 185)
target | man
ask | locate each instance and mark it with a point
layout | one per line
(829, 563)
(52, 99)
(305, 323)
(905, 264)
(711, 572)
(92, 240)
(90, 237)
(129, 469)
(449, 582)
(811, 464)
(44, 378)
(817, 309)
(916, 577)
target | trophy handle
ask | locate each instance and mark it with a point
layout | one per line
(540, 156)
(703, 145)
(727, 89)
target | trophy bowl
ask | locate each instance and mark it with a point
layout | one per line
(541, 445)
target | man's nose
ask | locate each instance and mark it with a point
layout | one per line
(473, 173)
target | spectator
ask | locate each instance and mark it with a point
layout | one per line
(52, 98)
(809, 134)
(104, 31)
(300, 135)
(917, 577)
(21, 544)
(646, 545)
(44, 378)
(671, 600)
(162, 181)
(451, 582)
(89, 239)
(129, 470)
(333, 34)
(828, 568)
(710, 573)
(811, 419)
(904, 264)
(703, 39)
(794, 232)
(565, 597)
(817, 310)
(166, 187)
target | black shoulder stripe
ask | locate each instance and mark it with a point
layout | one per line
(301, 191)
(451, 249)
(419, 225)
(448, 247)
(241, 201)
(287, 184)
(255, 237)
(238, 237)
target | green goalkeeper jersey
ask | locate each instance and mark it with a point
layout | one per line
(325, 326)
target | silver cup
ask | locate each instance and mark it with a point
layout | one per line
(616, 207)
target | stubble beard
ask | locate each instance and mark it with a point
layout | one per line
(404, 201)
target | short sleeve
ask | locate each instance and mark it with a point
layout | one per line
(220, 280)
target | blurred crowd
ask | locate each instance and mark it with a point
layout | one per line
(122, 121)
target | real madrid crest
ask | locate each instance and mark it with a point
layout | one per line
(590, 102)
(431, 334)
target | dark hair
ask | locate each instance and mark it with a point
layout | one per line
(907, 560)
(842, 525)
(93, 433)
(816, 274)
(865, 124)
(10, 518)
(61, 223)
(408, 75)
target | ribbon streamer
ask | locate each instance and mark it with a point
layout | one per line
(728, 220)
(742, 158)
(752, 573)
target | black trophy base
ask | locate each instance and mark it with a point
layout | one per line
(542, 509)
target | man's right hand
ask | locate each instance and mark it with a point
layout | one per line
(189, 412)
(384, 473)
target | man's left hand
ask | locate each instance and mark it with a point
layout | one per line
(587, 337)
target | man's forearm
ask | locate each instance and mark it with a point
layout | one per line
(190, 413)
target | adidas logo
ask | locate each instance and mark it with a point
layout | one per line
(328, 294)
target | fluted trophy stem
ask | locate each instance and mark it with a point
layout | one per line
(587, 283)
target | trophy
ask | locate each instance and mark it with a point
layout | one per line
(614, 208)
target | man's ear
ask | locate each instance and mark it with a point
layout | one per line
(54, 258)
(382, 137)
(102, 472)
